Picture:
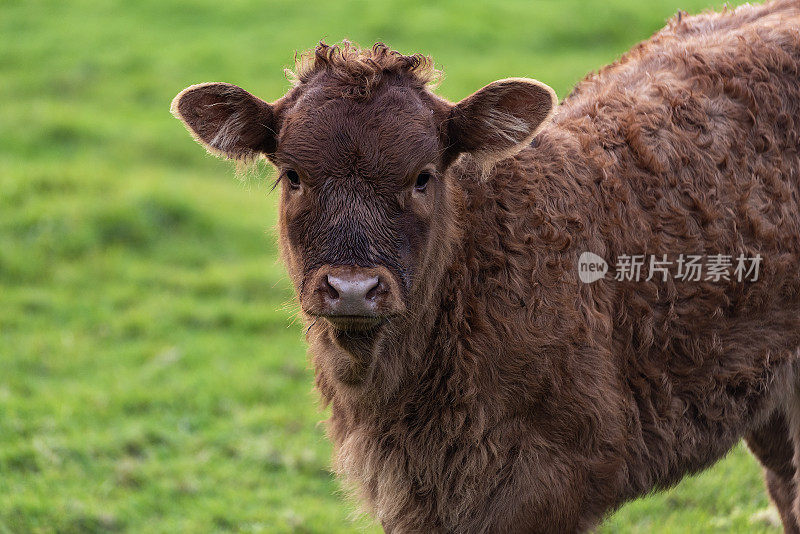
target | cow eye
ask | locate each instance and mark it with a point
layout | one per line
(422, 180)
(293, 177)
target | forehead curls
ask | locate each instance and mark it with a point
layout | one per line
(360, 71)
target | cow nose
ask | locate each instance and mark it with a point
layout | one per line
(352, 297)
(351, 293)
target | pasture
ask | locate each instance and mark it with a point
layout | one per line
(153, 377)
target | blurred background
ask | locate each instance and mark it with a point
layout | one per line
(152, 375)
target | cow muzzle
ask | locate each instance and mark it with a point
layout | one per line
(352, 298)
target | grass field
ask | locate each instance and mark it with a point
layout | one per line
(151, 378)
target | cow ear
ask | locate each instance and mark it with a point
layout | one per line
(227, 120)
(499, 120)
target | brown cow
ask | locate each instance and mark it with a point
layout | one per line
(476, 383)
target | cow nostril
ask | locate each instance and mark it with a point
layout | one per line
(328, 288)
(373, 291)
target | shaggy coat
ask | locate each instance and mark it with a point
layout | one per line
(501, 393)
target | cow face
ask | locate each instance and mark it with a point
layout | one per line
(365, 197)
(360, 186)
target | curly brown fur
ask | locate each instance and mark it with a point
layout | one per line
(361, 70)
(507, 396)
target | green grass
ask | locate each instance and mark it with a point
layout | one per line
(151, 376)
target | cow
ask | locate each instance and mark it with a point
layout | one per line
(480, 378)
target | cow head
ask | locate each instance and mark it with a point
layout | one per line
(362, 147)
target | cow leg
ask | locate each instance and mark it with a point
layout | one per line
(773, 445)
